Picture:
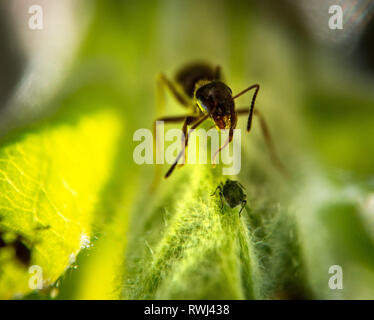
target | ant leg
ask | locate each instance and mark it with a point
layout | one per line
(188, 121)
(268, 139)
(171, 119)
(231, 134)
(226, 143)
(163, 81)
(158, 173)
(194, 126)
(175, 119)
(257, 88)
(269, 142)
(244, 202)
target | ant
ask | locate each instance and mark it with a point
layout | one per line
(207, 96)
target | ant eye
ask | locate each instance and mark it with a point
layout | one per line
(202, 105)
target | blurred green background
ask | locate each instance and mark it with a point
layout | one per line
(82, 86)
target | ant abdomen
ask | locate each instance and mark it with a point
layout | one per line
(189, 75)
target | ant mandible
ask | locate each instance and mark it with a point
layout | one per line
(207, 96)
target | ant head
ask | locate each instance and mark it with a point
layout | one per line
(217, 96)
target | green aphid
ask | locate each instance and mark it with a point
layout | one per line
(233, 193)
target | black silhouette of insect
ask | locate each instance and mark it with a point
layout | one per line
(22, 252)
(202, 90)
(2, 242)
(233, 193)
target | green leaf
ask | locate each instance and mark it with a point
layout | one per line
(334, 231)
(50, 181)
(186, 247)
